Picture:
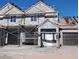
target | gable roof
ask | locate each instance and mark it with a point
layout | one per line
(40, 7)
(63, 22)
(8, 7)
(50, 22)
(5, 8)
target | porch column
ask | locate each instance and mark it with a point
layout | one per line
(22, 38)
(58, 39)
(19, 40)
(39, 38)
(6, 41)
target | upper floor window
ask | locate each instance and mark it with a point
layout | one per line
(1, 18)
(33, 18)
(13, 19)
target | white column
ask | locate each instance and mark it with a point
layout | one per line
(58, 39)
(61, 39)
(39, 38)
(6, 40)
(22, 38)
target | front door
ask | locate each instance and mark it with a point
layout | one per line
(49, 39)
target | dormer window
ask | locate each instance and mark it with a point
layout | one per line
(13, 19)
(33, 18)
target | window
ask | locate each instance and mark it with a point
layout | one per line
(13, 19)
(1, 18)
(33, 18)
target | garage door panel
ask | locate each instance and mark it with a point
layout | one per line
(70, 38)
(12, 40)
(70, 43)
(74, 39)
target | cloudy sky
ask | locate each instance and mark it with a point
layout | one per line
(65, 7)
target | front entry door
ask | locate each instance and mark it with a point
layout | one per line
(49, 39)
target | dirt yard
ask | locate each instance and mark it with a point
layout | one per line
(34, 52)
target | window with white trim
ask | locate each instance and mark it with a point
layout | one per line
(13, 19)
(33, 18)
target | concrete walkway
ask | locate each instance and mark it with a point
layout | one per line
(34, 52)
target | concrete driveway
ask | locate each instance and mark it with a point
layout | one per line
(34, 52)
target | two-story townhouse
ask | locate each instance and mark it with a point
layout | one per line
(39, 25)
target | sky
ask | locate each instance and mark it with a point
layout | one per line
(65, 7)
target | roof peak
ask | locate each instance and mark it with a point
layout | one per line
(41, 0)
(11, 4)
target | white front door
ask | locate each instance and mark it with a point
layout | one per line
(49, 40)
(48, 37)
